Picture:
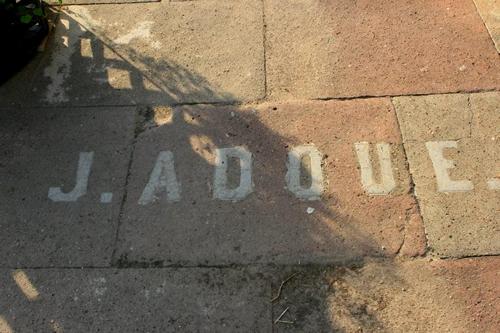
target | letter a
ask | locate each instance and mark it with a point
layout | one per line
(387, 183)
(162, 178)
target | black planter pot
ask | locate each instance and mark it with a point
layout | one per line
(19, 42)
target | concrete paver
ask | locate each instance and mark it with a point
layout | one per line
(374, 296)
(486, 115)
(134, 300)
(174, 52)
(320, 49)
(452, 147)
(186, 224)
(434, 117)
(40, 149)
(490, 12)
(167, 166)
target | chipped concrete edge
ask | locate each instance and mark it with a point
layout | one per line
(418, 208)
(488, 28)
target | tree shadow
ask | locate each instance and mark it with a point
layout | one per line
(269, 227)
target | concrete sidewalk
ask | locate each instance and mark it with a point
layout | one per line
(255, 166)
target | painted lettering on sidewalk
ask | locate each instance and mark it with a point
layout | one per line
(163, 177)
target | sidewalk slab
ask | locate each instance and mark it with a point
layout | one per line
(40, 149)
(179, 52)
(490, 13)
(380, 296)
(324, 49)
(271, 224)
(155, 300)
(461, 219)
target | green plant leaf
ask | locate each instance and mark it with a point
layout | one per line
(26, 18)
(38, 11)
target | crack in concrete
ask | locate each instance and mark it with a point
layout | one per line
(411, 190)
(471, 119)
(247, 102)
(354, 264)
(344, 98)
(137, 130)
(264, 43)
(407, 219)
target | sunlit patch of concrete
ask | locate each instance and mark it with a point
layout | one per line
(204, 147)
(56, 326)
(119, 78)
(4, 326)
(23, 282)
(86, 48)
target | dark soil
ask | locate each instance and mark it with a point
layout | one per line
(19, 40)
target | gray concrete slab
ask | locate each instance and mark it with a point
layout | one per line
(185, 221)
(134, 300)
(179, 52)
(40, 149)
(452, 147)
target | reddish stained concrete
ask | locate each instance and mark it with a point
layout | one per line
(271, 225)
(319, 49)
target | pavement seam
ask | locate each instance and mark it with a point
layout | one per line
(137, 127)
(263, 266)
(243, 103)
(471, 119)
(411, 190)
(264, 42)
(229, 267)
(271, 307)
(452, 92)
(468, 256)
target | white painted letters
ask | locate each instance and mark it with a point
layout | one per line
(221, 190)
(162, 178)
(441, 166)
(494, 184)
(82, 177)
(293, 175)
(387, 183)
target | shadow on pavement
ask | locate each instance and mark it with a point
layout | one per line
(271, 227)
